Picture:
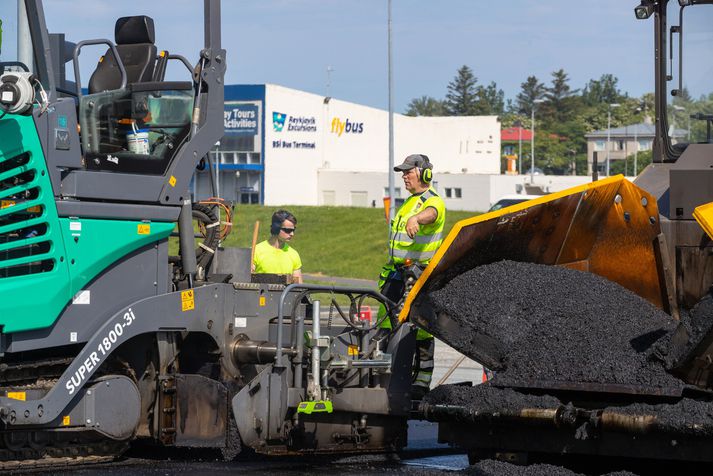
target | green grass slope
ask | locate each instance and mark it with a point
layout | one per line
(332, 241)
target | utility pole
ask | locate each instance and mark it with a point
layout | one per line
(609, 132)
(532, 140)
(329, 81)
(518, 123)
(392, 198)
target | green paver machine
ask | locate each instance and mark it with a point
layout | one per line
(105, 338)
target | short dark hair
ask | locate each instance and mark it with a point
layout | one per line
(278, 217)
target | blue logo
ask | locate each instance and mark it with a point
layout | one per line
(278, 121)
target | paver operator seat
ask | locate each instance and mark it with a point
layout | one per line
(134, 37)
(137, 127)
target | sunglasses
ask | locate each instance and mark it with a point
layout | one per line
(288, 230)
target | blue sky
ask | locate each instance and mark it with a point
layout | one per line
(292, 43)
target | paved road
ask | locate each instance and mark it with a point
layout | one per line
(423, 456)
(467, 371)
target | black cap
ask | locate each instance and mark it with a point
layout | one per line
(414, 160)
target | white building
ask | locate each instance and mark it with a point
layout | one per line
(284, 146)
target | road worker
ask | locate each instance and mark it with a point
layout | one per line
(416, 233)
(275, 255)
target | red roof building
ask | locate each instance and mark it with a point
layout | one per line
(512, 134)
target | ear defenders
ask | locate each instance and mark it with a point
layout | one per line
(425, 172)
(277, 218)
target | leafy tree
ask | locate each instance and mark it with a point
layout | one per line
(603, 90)
(646, 104)
(627, 166)
(462, 96)
(683, 96)
(530, 90)
(425, 106)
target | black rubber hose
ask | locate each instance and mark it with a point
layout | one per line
(206, 218)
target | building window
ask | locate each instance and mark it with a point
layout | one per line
(645, 144)
(619, 145)
(599, 145)
(329, 197)
(457, 192)
(449, 192)
(509, 150)
(359, 199)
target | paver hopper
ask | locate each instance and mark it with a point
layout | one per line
(609, 227)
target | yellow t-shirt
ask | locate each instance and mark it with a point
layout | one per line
(270, 260)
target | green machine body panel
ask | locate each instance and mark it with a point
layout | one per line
(92, 245)
(45, 260)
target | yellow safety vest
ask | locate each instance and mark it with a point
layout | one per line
(423, 246)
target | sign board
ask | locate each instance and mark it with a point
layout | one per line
(240, 119)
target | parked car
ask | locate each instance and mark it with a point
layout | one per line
(508, 200)
(537, 171)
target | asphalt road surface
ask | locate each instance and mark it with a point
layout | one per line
(423, 456)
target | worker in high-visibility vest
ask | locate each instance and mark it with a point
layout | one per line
(416, 233)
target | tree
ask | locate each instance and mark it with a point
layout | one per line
(530, 90)
(462, 96)
(558, 95)
(627, 166)
(425, 106)
(491, 100)
(602, 91)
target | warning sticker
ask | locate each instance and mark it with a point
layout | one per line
(187, 300)
(172, 181)
(143, 229)
(263, 301)
(353, 350)
(66, 420)
(17, 395)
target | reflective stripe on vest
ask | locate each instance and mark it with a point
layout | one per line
(418, 239)
(414, 255)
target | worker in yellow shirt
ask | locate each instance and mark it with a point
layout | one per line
(274, 255)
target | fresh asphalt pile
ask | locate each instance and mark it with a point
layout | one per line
(555, 328)
(499, 468)
(488, 399)
(553, 324)
(680, 347)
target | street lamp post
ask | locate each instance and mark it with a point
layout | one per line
(636, 150)
(532, 140)
(330, 70)
(626, 148)
(612, 105)
(683, 109)
(636, 145)
(392, 187)
(518, 123)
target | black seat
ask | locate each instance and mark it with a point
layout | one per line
(134, 37)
